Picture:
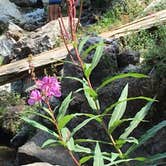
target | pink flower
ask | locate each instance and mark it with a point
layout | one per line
(49, 86)
(35, 96)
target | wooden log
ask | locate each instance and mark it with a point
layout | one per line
(149, 21)
(12, 71)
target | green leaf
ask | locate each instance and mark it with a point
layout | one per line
(109, 80)
(41, 115)
(111, 158)
(136, 120)
(121, 142)
(48, 111)
(64, 120)
(109, 108)
(97, 56)
(90, 48)
(64, 106)
(49, 142)
(153, 159)
(119, 161)
(81, 149)
(67, 139)
(98, 157)
(91, 95)
(70, 144)
(82, 43)
(87, 70)
(85, 122)
(149, 134)
(85, 159)
(65, 134)
(40, 126)
(92, 140)
(74, 78)
(117, 123)
(119, 109)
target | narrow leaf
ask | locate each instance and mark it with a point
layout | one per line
(154, 158)
(40, 126)
(82, 43)
(149, 134)
(85, 159)
(119, 109)
(119, 161)
(74, 78)
(41, 115)
(97, 55)
(64, 120)
(87, 70)
(137, 119)
(89, 49)
(93, 102)
(109, 80)
(109, 108)
(85, 122)
(49, 142)
(117, 123)
(111, 157)
(81, 149)
(98, 157)
(92, 140)
(64, 106)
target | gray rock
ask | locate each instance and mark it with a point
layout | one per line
(128, 57)
(8, 40)
(131, 68)
(41, 40)
(32, 152)
(9, 11)
(40, 164)
(107, 65)
(3, 25)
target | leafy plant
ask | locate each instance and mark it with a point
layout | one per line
(50, 86)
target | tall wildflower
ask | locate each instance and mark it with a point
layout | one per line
(45, 88)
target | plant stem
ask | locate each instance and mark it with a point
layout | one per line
(54, 119)
(59, 133)
(112, 139)
(74, 158)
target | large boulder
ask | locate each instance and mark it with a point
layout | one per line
(32, 152)
(8, 40)
(113, 62)
(108, 64)
(9, 10)
(41, 40)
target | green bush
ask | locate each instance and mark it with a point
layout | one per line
(151, 44)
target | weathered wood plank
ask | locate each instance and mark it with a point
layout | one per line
(45, 58)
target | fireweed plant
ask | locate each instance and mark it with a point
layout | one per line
(49, 86)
